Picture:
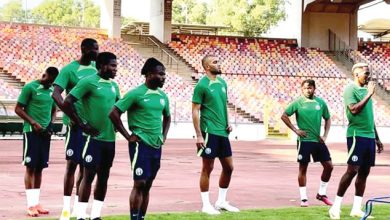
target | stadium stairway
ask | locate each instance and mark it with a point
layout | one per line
(345, 65)
(149, 46)
(11, 80)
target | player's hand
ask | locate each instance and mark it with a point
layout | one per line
(133, 138)
(199, 142)
(229, 128)
(371, 87)
(379, 146)
(89, 130)
(37, 127)
(301, 133)
(322, 139)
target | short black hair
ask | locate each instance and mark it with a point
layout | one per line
(104, 58)
(310, 82)
(52, 71)
(88, 42)
(150, 65)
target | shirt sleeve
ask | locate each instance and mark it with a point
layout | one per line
(198, 94)
(62, 79)
(81, 89)
(166, 111)
(291, 108)
(349, 96)
(25, 95)
(325, 112)
(126, 102)
(118, 92)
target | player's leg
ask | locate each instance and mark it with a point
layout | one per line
(208, 156)
(368, 158)
(224, 182)
(304, 152)
(107, 154)
(136, 198)
(30, 157)
(145, 199)
(90, 161)
(354, 164)
(74, 144)
(322, 154)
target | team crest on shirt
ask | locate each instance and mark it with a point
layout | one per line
(113, 89)
(355, 158)
(139, 171)
(318, 107)
(27, 160)
(300, 157)
(69, 152)
(207, 151)
(162, 102)
(223, 90)
(88, 159)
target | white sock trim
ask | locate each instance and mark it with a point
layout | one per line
(322, 188)
(82, 210)
(357, 203)
(302, 192)
(222, 192)
(205, 198)
(96, 208)
(66, 201)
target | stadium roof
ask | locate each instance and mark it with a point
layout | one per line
(379, 28)
(334, 6)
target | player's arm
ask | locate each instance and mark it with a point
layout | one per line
(326, 130)
(196, 122)
(115, 117)
(356, 108)
(21, 112)
(70, 110)
(57, 97)
(166, 124)
(287, 121)
(378, 141)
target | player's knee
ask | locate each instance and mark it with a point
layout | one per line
(207, 169)
(352, 170)
(228, 170)
(140, 185)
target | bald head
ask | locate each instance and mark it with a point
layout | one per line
(206, 61)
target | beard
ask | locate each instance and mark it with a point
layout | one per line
(216, 72)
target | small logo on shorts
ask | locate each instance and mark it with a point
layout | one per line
(162, 102)
(207, 151)
(139, 171)
(355, 158)
(300, 157)
(88, 159)
(27, 160)
(318, 107)
(69, 152)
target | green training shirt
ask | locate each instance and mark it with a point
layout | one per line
(38, 104)
(361, 124)
(69, 76)
(212, 96)
(309, 113)
(144, 108)
(98, 96)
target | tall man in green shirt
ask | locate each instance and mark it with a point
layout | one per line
(309, 111)
(361, 139)
(38, 111)
(69, 76)
(98, 94)
(145, 105)
(212, 130)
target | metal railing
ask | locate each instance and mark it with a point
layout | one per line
(164, 55)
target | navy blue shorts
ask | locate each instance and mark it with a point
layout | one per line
(36, 150)
(361, 151)
(97, 153)
(318, 151)
(216, 146)
(145, 160)
(74, 144)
